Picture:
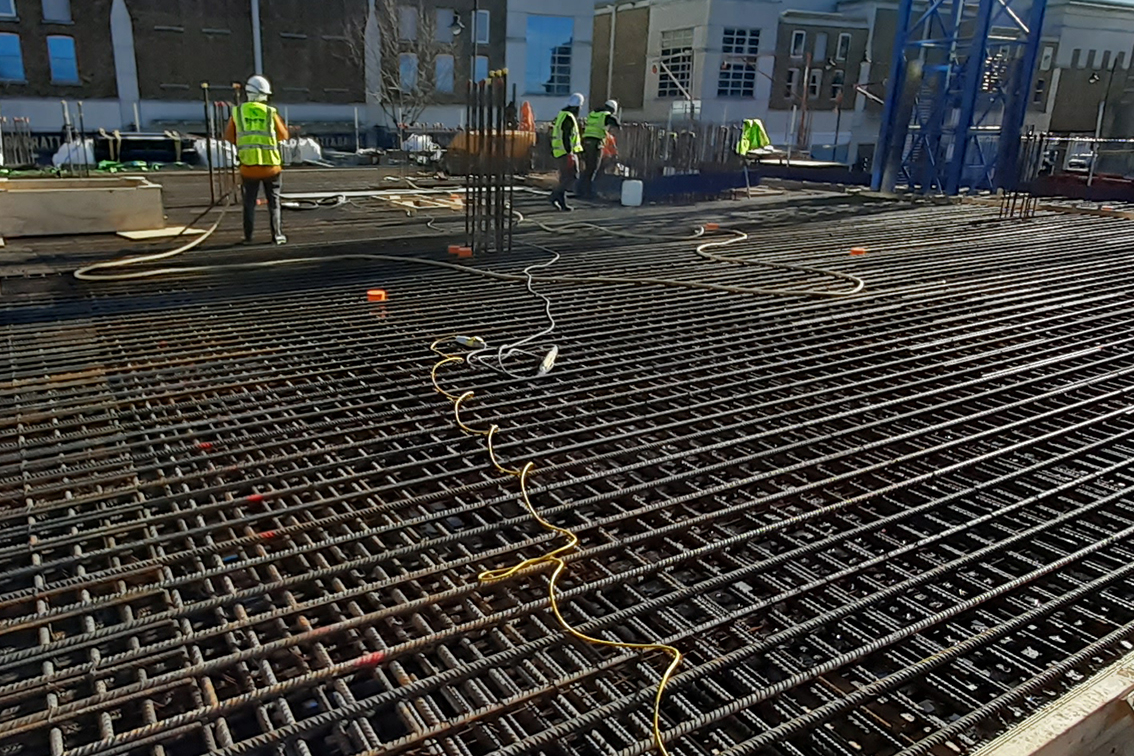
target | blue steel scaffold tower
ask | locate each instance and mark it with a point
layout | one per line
(959, 85)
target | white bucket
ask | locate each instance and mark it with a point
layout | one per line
(631, 193)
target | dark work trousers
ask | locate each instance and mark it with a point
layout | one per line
(568, 172)
(272, 194)
(592, 165)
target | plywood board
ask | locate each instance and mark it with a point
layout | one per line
(161, 233)
(45, 207)
(1093, 718)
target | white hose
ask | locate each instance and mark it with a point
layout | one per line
(85, 273)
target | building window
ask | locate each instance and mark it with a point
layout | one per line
(814, 83)
(11, 58)
(57, 10)
(842, 50)
(8, 9)
(791, 83)
(481, 30)
(1046, 59)
(838, 79)
(741, 42)
(737, 79)
(480, 72)
(64, 62)
(675, 68)
(407, 71)
(443, 33)
(1038, 92)
(443, 73)
(407, 22)
(995, 71)
(550, 39)
(798, 43)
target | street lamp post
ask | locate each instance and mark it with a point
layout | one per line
(474, 46)
(1099, 119)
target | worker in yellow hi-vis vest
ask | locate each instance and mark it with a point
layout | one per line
(257, 130)
(595, 132)
(566, 144)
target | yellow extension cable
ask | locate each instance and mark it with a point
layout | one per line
(555, 556)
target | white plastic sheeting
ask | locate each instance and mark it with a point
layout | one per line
(73, 153)
(223, 153)
(298, 151)
(420, 143)
(292, 151)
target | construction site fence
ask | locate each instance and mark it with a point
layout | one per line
(647, 151)
(1075, 167)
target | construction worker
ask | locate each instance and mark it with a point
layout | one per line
(594, 137)
(257, 130)
(566, 144)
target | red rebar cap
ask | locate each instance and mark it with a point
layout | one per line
(370, 660)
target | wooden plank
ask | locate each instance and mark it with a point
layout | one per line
(1093, 718)
(161, 233)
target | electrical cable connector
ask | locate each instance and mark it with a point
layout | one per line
(548, 361)
(472, 342)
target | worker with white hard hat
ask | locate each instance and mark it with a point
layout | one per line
(566, 144)
(257, 130)
(595, 130)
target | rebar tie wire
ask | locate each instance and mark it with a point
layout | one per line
(555, 556)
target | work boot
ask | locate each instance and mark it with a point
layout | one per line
(565, 207)
(246, 241)
(280, 240)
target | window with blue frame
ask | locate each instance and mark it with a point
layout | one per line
(64, 62)
(11, 58)
(550, 41)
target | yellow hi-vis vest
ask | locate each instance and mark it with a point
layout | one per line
(753, 137)
(596, 125)
(557, 148)
(256, 142)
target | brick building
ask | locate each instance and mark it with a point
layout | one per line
(145, 60)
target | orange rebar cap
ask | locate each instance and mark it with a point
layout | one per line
(711, 226)
(858, 250)
(464, 251)
(454, 249)
(376, 295)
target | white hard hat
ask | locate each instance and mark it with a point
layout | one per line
(612, 105)
(575, 101)
(258, 85)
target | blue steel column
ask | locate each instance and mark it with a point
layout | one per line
(974, 68)
(957, 124)
(1009, 147)
(893, 92)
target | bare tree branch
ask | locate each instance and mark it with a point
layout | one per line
(403, 86)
